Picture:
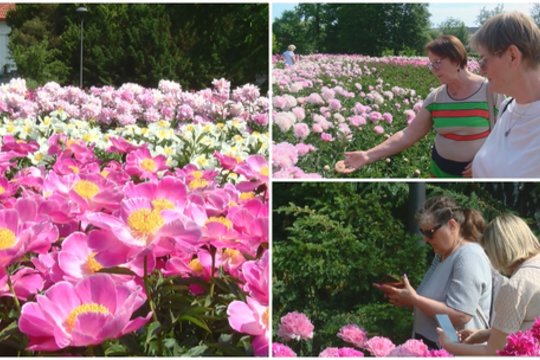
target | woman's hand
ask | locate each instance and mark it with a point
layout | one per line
(473, 336)
(354, 160)
(467, 172)
(404, 297)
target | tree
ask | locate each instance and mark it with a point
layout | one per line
(535, 13)
(456, 27)
(485, 14)
(142, 43)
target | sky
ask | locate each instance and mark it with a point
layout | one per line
(439, 11)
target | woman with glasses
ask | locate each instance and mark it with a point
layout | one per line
(509, 46)
(515, 251)
(459, 112)
(459, 281)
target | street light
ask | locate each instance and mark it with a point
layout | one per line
(81, 11)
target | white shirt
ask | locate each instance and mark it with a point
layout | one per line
(512, 150)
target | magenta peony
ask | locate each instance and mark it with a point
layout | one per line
(295, 326)
(535, 330)
(521, 343)
(439, 353)
(353, 335)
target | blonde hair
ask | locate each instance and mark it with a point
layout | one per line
(291, 47)
(508, 241)
(506, 29)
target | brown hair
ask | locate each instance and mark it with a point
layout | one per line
(506, 29)
(449, 46)
(441, 209)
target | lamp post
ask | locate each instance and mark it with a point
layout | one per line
(81, 11)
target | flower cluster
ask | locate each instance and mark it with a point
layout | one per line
(98, 228)
(523, 343)
(297, 326)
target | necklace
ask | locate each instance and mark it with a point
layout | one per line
(513, 122)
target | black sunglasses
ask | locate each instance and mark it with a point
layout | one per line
(429, 233)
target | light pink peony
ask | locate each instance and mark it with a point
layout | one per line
(281, 350)
(378, 129)
(88, 313)
(379, 346)
(353, 335)
(295, 326)
(411, 348)
(301, 130)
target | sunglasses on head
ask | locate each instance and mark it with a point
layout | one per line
(429, 233)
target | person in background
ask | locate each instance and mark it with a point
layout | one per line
(459, 111)
(509, 48)
(459, 284)
(514, 251)
(289, 56)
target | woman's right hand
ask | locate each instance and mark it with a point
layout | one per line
(354, 160)
(473, 336)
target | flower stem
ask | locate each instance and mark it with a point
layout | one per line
(147, 289)
(212, 284)
(12, 289)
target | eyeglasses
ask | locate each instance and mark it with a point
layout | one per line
(483, 61)
(429, 233)
(435, 65)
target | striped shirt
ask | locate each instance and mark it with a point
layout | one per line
(461, 126)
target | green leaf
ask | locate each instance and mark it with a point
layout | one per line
(116, 349)
(151, 331)
(117, 270)
(195, 321)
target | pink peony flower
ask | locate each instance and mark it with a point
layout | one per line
(280, 350)
(251, 318)
(301, 130)
(378, 129)
(353, 335)
(439, 353)
(535, 330)
(411, 348)
(379, 346)
(327, 137)
(521, 343)
(349, 352)
(88, 313)
(295, 326)
(142, 164)
(330, 352)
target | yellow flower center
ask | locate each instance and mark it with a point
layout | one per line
(38, 156)
(145, 221)
(264, 171)
(197, 174)
(197, 184)
(230, 254)
(105, 173)
(7, 238)
(196, 266)
(149, 165)
(162, 204)
(74, 169)
(265, 317)
(221, 220)
(86, 189)
(2, 190)
(92, 264)
(85, 309)
(247, 195)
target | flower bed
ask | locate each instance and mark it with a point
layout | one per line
(328, 104)
(133, 221)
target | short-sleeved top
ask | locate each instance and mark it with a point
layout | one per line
(461, 126)
(289, 57)
(463, 282)
(513, 148)
(517, 303)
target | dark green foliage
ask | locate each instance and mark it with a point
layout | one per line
(142, 43)
(331, 241)
(369, 29)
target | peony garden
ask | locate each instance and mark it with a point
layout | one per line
(133, 220)
(326, 105)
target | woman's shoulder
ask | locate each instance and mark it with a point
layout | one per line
(472, 252)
